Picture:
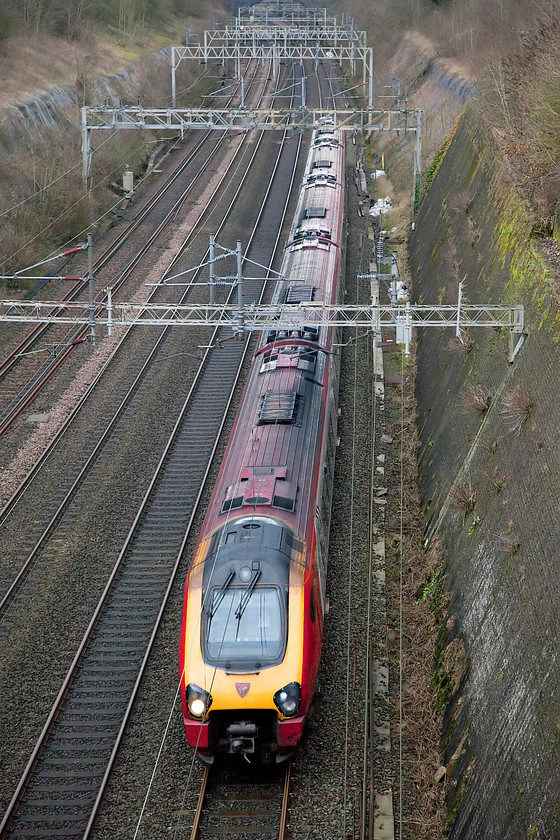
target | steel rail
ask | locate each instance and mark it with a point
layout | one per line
(195, 830)
(18, 580)
(25, 396)
(269, 803)
(64, 692)
(209, 464)
(10, 504)
(285, 803)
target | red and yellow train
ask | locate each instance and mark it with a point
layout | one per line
(255, 592)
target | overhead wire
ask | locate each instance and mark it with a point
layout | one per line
(167, 727)
(65, 212)
(181, 92)
(79, 163)
(73, 168)
(51, 183)
(196, 633)
(250, 447)
(95, 221)
(250, 450)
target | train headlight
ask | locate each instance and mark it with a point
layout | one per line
(288, 699)
(198, 700)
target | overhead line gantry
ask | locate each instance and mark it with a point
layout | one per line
(264, 32)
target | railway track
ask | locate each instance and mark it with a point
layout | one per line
(28, 375)
(68, 771)
(238, 802)
(83, 731)
(112, 426)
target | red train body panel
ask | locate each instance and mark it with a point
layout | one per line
(255, 592)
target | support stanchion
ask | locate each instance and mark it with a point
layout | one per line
(91, 289)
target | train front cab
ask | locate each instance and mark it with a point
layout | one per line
(243, 642)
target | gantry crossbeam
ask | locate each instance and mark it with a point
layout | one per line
(325, 35)
(266, 317)
(244, 119)
(285, 13)
(252, 49)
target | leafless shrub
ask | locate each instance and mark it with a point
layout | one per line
(455, 345)
(515, 408)
(497, 481)
(476, 400)
(462, 203)
(520, 93)
(463, 498)
(451, 257)
(473, 233)
(489, 445)
(510, 542)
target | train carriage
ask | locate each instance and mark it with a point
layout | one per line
(255, 592)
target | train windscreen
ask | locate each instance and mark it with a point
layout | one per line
(245, 630)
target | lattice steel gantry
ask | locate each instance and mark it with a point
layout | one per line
(264, 32)
(284, 317)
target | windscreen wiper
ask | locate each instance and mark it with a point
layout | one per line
(219, 596)
(246, 596)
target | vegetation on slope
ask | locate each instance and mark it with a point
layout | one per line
(69, 44)
(71, 18)
(512, 50)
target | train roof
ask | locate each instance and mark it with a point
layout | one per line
(271, 460)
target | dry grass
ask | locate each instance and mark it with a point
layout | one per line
(521, 101)
(456, 345)
(476, 400)
(497, 480)
(451, 258)
(473, 232)
(515, 408)
(463, 498)
(32, 65)
(42, 197)
(511, 543)
(45, 205)
(462, 203)
(424, 792)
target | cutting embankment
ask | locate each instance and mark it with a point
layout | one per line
(488, 470)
